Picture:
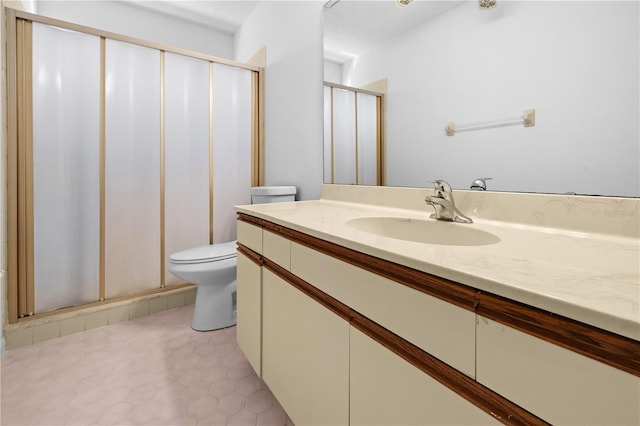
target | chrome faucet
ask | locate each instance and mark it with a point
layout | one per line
(444, 205)
(480, 184)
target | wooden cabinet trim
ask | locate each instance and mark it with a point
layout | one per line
(251, 219)
(482, 397)
(601, 345)
(337, 307)
(251, 255)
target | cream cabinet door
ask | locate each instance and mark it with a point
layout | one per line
(558, 385)
(249, 311)
(305, 355)
(387, 390)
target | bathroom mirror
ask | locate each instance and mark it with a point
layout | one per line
(451, 61)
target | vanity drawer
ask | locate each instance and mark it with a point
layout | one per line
(277, 249)
(387, 390)
(444, 330)
(250, 236)
(558, 385)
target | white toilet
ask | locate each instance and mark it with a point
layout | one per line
(212, 268)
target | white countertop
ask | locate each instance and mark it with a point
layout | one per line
(590, 277)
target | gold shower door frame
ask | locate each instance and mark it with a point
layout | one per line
(19, 137)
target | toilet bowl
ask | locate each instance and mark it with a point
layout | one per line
(212, 268)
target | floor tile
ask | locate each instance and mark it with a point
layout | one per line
(154, 370)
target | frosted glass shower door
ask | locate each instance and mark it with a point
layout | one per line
(344, 137)
(367, 139)
(186, 156)
(132, 181)
(66, 167)
(232, 107)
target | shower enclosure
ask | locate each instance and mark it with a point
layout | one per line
(120, 152)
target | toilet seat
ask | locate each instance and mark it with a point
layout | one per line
(205, 254)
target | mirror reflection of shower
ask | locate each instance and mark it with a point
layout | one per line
(353, 137)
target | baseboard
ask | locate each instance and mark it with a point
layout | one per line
(59, 325)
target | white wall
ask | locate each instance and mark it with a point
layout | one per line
(292, 33)
(575, 62)
(120, 18)
(332, 72)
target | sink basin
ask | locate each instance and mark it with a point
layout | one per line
(424, 231)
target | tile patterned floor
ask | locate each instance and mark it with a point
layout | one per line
(154, 370)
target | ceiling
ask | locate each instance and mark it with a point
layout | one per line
(222, 15)
(350, 27)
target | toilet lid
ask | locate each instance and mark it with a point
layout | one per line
(203, 254)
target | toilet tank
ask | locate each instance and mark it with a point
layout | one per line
(272, 194)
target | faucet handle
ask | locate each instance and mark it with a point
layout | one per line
(480, 184)
(442, 186)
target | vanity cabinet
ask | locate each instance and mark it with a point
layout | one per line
(559, 385)
(342, 337)
(299, 348)
(387, 390)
